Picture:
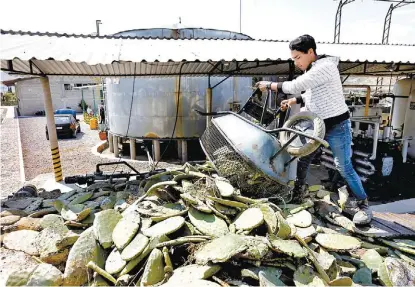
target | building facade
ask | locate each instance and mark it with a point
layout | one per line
(67, 92)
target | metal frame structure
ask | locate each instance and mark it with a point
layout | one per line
(386, 30)
(388, 17)
(387, 23)
(338, 20)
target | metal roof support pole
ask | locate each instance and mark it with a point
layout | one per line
(338, 20)
(53, 138)
(388, 19)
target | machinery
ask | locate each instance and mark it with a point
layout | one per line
(383, 144)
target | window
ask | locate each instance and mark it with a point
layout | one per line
(67, 87)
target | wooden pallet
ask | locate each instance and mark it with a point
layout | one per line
(386, 224)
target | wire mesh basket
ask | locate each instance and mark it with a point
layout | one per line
(233, 166)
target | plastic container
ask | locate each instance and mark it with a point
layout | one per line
(93, 124)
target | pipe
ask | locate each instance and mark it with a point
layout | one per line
(132, 149)
(361, 153)
(367, 95)
(375, 141)
(327, 158)
(328, 165)
(53, 137)
(365, 163)
(364, 171)
(326, 150)
(405, 144)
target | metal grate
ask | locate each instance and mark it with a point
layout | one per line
(231, 165)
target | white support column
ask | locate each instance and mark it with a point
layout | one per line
(132, 149)
(111, 142)
(184, 150)
(53, 138)
(156, 150)
(116, 150)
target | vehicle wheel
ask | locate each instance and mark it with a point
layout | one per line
(47, 136)
(74, 134)
(79, 129)
(309, 123)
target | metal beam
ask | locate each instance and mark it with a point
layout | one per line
(214, 67)
(345, 79)
(337, 24)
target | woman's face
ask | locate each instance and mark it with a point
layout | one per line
(302, 60)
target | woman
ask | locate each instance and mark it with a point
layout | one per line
(323, 95)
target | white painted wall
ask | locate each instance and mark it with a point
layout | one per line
(30, 94)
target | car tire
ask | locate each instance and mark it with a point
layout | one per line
(311, 145)
(74, 134)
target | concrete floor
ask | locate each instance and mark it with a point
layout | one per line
(316, 174)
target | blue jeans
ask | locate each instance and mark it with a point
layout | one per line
(339, 138)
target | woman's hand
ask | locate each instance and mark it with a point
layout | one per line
(286, 103)
(263, 85)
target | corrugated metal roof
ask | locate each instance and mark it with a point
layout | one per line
(101, 56)
(119, 36)
(73, 35)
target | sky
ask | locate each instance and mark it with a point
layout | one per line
(362, 20)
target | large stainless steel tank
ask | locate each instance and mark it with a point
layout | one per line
(155, 99)
(155, 102)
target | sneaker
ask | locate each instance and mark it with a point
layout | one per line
(360, 211)
(364, 215)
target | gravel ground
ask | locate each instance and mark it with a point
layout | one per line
(76, 155)
(9, 157)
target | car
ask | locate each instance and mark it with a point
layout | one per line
(67, 111)
(66, 125)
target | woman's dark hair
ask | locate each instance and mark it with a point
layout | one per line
(303, 44)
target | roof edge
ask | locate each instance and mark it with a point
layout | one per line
(55, 34)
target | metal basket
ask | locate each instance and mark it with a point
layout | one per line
(248, 155)
(236, 168)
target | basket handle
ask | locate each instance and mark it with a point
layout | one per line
(213, 113)
(298, 133)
